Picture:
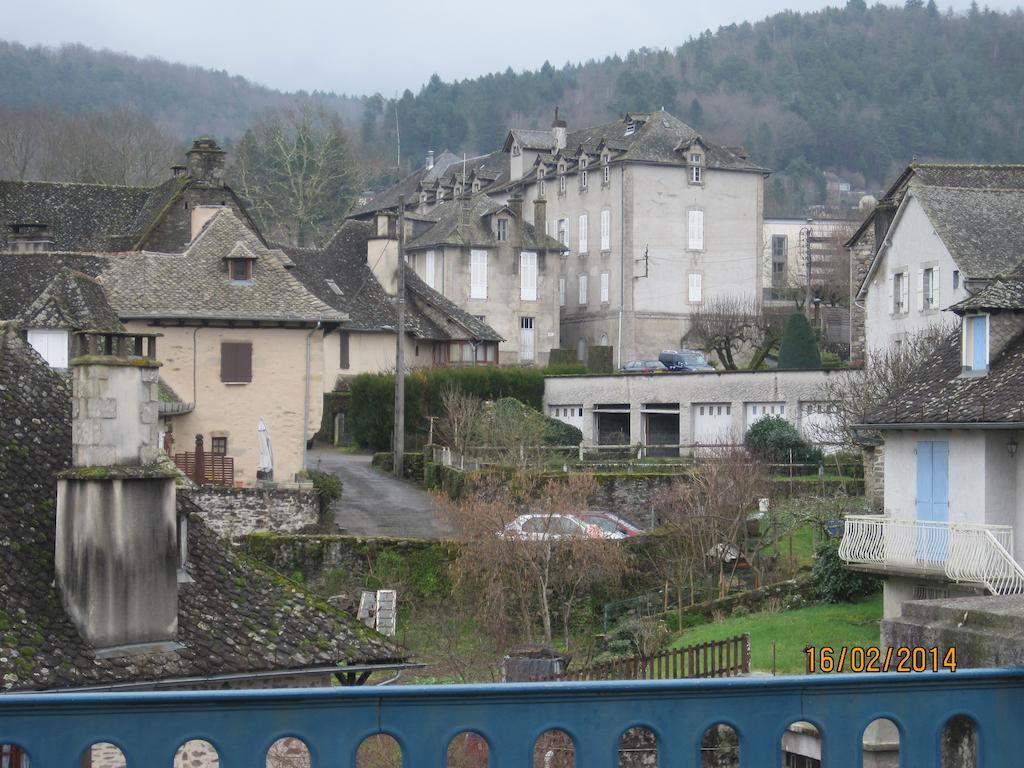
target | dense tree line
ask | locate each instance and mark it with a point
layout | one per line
(857, 90)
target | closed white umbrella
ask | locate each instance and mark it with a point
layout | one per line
(266, 452)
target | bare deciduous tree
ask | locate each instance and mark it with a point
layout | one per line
(730, 325)
(295, 170)
(704, 522)
(515, 583)
(885, 374)
(460, 425)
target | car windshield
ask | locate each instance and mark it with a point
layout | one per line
(693, 358)
(604, 524)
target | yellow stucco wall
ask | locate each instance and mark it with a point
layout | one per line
(370, 353)
(275, 394)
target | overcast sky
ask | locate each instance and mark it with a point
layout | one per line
(363, 47)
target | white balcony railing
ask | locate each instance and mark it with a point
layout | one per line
(961, 552)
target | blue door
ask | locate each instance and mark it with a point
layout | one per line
(979, 343)
(933, 498)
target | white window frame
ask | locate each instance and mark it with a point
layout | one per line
(563, 231)
(561, 291)
(528, 276)
(606, 229)
(695, 288)
(582, 234)
(899, 292)
(606, 281)
(51, 344)
(583, 179)
(967, 342)
(502, 228)
(695, 229)
(928, 288)
(583, 289)
(478, 274)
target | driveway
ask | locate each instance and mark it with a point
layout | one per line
(376, 504)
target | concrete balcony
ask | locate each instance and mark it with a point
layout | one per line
(978, 555)
(53, 729)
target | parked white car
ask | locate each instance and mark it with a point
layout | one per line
(543, 527)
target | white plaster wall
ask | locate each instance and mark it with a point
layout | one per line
(370, 353)
(735, 387)
(914, 246)
(276, 392)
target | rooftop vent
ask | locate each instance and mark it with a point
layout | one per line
(26, 237)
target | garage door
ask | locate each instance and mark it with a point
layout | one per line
(712, 424)
(758, 411)
(570, 414)
(820, 424)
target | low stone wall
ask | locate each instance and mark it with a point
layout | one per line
(631, 496)
(237, 512)
(753, 600)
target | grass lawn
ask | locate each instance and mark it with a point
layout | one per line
(836, 625)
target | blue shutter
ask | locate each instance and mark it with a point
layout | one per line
(979, 343)
(933, 498)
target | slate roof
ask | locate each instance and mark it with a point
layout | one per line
(453, 226)
(24, 276)
(235, 618)
(363, 299)
(195, 284)
(1002, 293)
(937, 393)
(492, 169)
(983, 229)
(72, 300)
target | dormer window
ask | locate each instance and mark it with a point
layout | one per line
(476, 185)
(502, 230)
(458, 190)
(440, 195)
(515, 150)
(540, 173)
(696, 168)
(240, 270)
(630, 127)
(975, 344)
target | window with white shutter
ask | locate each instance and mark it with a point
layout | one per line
(583, 233)
(51, 345)
(561, 291)
(583, 290)
(695, 292)
(428, 270)
(695, 230)
(606, 280)
(606, 230)
(528, 276)
(478, 275)
(527, 339)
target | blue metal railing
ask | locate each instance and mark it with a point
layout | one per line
(149, 727)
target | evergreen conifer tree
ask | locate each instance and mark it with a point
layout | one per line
(799, 348)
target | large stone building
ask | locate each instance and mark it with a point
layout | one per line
(654, 219)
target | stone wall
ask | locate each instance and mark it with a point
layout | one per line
(237, 512)
(874, 477)
(631, 497)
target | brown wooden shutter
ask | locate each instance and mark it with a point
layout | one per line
(343, 343)
(235, 361)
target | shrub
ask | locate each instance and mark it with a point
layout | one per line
(831, 360)
(328, 490)
(793, 602)
(799, 348)
(834, 583)
(772, 439)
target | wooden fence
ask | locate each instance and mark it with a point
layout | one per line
(720, 658)
(217, 469)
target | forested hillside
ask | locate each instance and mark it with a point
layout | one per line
(858, 91)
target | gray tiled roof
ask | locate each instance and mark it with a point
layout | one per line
(937, 393)
(1002, 293)
(983, 229)
(455, 226)
(362, 298)
(235, 618)
(24, 276)
(195, 284)
(72, 300)
(80, 217)
(533, 139)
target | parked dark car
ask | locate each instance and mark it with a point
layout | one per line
(644, 366)
(684, 360)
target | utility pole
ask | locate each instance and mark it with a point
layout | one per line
(805, 236)
(398, 453)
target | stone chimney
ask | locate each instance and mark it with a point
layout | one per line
(540, 215)
(430, 159)
(206, 162)
(116, 544)
(178, 170)
(29, 238)
(515, 204)
(382, 252)
(558, 130)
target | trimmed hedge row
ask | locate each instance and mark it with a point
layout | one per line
(371, 409)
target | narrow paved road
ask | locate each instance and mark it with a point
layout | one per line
(375, 504)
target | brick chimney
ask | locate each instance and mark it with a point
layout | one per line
(116, 550)
(559, 129)
(206, 162)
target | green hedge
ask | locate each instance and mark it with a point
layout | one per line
(371, 410)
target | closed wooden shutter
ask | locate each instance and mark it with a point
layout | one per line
(235, 361)
(606, 230)
(583, 233)
(478, 275)
(343, 338)
(695, 230)
(528, 276)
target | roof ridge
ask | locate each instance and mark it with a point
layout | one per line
(81, 184)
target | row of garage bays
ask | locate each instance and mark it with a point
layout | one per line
(674, 427)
